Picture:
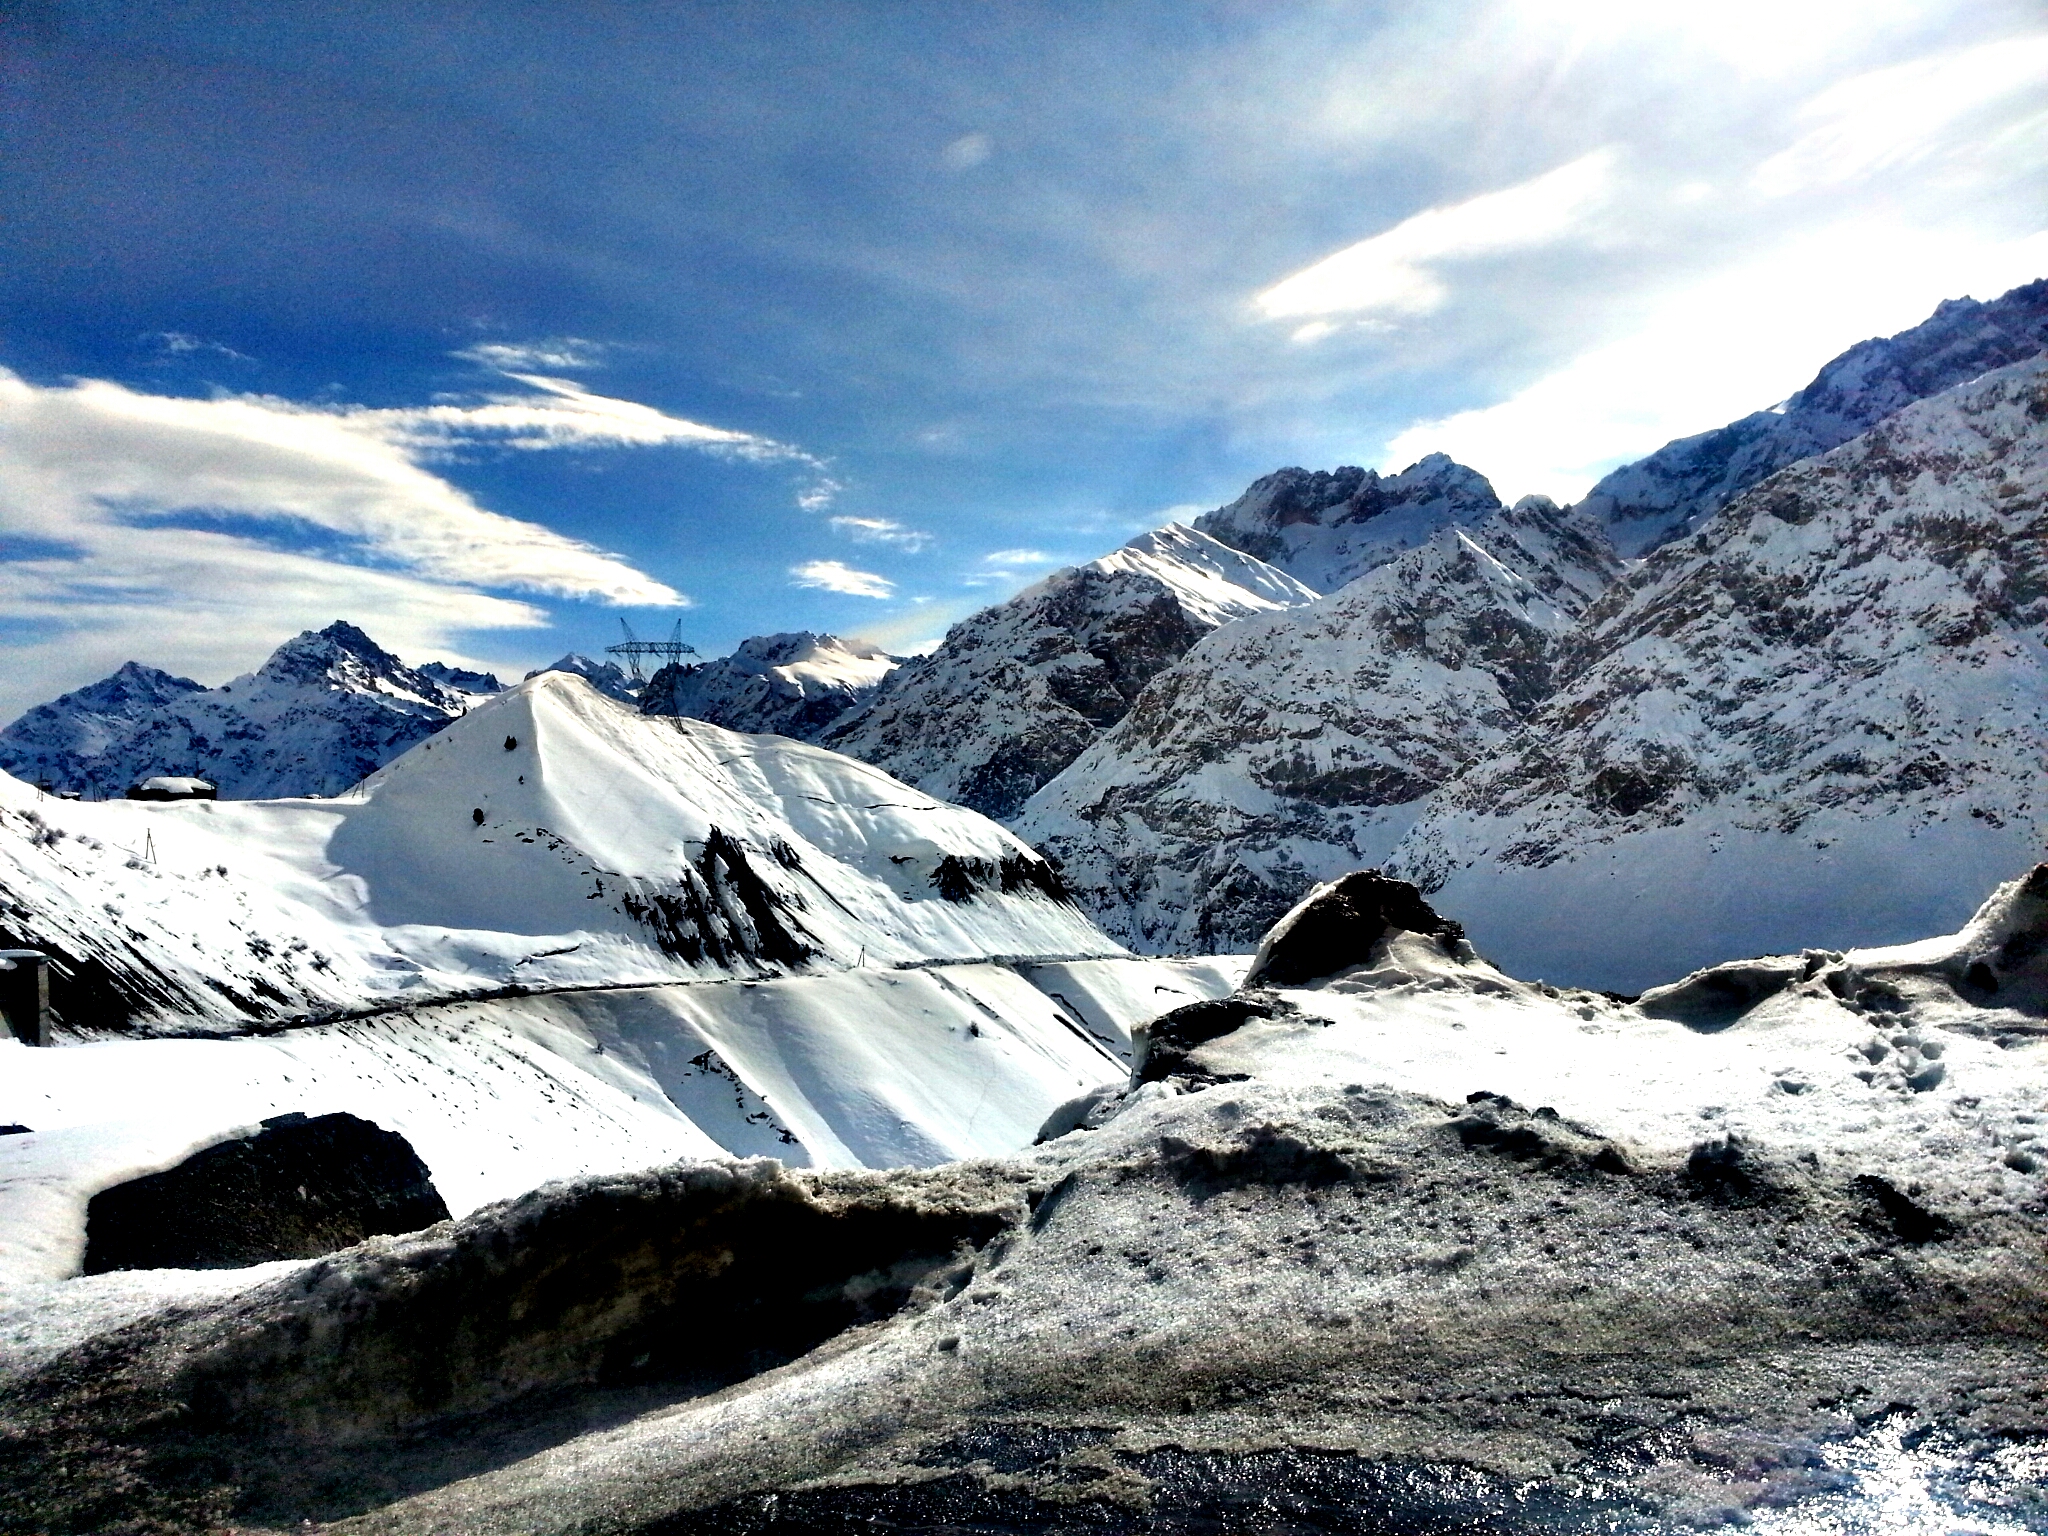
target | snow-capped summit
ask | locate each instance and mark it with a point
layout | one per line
(325, 709)
(1017, 691)
(1666, 495)
(607, 677)
(53, 742)
(1329, 527)
(795, 684)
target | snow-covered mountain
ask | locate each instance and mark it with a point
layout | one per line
(795, 685)
(1665, 495)
(550, 836)
(1330, 527)
(1824, 713)
(324, 710)
(607, 677)
(1294, 745)
(1016, 692)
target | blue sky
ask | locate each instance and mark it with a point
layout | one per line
(484, 325)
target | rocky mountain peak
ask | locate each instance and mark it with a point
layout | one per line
(1016, 692)
(342, 656)
(607, 677)
(1329, 527)
(795, 684)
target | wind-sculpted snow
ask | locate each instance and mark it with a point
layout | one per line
(1330, 527)
(1669, 493)
(549, 837)
(1824, 715)
(1411, 1245)
(796, 685)
(323, 711)
(1288, 747)
(1016, 692)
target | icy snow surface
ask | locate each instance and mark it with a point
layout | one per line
(862, 1068)
(1426, 1248)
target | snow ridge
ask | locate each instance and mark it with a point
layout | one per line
(550, 836)
(1662, 497)
(795, 685)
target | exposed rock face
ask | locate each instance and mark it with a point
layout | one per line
(1671, 492)
(297, 1189)
(1016, 692)
(1328, 527)
(796, 685)
(326, 709)
(1291, 747)
(1832, 692)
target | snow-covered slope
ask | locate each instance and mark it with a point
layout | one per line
(795, 685)
(1821, 718)
(324, 710)
(1330, 527)
(865, 1067)
(1291, 746)
(549, 836)
(1674, 489)
(1017, 691)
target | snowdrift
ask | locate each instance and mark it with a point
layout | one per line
(1407, 1243)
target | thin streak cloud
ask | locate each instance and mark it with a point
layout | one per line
(1396, 273)
(833, 576)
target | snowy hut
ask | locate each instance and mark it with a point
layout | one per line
(172, 787)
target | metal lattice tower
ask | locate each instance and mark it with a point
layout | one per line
(635, 651)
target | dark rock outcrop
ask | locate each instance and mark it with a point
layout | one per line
(297, 1189)
(1338, 925)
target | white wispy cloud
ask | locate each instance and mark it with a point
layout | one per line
(1921, 110)
(1397, 272)
(306, 514)
(1007, 567)
(967, 151)
(1017, 557)
(178, 344)
(1715, 350)
(87, 463)
(557, 352)
(832, 576)
(882, 530)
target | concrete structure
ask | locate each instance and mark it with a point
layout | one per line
(25, 995)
